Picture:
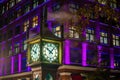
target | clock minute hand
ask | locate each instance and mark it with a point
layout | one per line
(49, 51)
(34, 51)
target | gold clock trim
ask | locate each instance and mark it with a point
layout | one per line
(60, 48)
(28, 52)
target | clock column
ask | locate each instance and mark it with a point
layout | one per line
(44, 58)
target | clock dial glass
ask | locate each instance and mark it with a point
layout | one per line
(50, 52)
(35, 52)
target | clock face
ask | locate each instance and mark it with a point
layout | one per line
(50, 52)
(35, 52)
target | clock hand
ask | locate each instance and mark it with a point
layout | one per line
(49, 51)
(34, 51)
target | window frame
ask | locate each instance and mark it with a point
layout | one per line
(90, 34)
(103, 37)
(116, 40)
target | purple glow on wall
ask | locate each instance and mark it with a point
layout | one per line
(67, 52)
(99, 54)
(12, 64)
(49, 25)
(19, 67)
(111, 58)
(28, 68)
(84, 53)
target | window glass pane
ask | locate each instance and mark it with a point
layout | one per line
(35, 3)
(35, 21)
(87, 36)
(105, 40)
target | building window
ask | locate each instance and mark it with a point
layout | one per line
(35, 3)
(24, 62)
(75, 53)
(90, 34)
(57, 31)
(24, 45)
(10, 49)
(113, 4)
(7, 7)
(73, 7)
(26, 25)
(3, 9)
(35, 21)
(116, 40)
(102, 1)
(17, 30)
(19, 12)
(10, 33)
(56, 7)
(16, 64)
(91, 57)
(117, 60)
(17, 1)
(103, 37)
(73, 33)
(11, 3)
(105, 59)
(26, 8)
(8, 63)
(17, 48)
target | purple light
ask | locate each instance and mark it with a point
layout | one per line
(84, 49)
(29, 68)
(19, 67)
(99, 54)
(50, 25)
(67, 52)
(12, 64)
(111, 58)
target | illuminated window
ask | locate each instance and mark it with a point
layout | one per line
(73, 7)
(35, 3)
(102, 1)
(7, 7)
(113, 4)
(17, 48)
(18, 1)
(3, 9)
(103, 37)
(90, 34)
(10, 49)
(24, 45)
(11, 3)
(116, 40)
(27, 8)
(73, 33)
(35, 21)
(26, 25)
(57, 31)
